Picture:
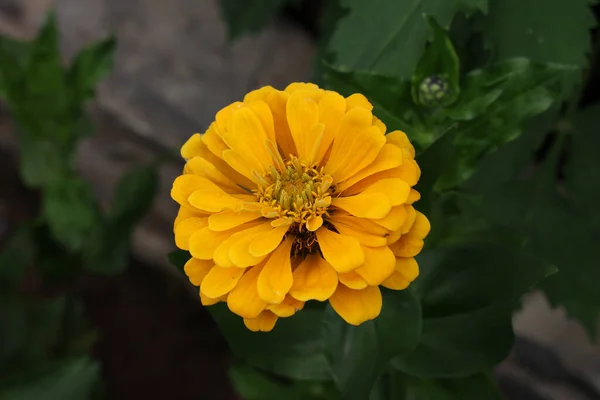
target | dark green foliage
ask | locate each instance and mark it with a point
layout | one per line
(244, 17)
(43, 330)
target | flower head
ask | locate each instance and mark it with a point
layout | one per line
(298, 195)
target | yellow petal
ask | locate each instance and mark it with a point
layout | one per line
(267, 242)
(411, 216)
(399, 138)
(358, 100)
(353, 153)
(202, 167)
(277, 101)
(363, 237)
(185, 213)
(259, 94)
(196, 270)
(352, 124)
(379, 264)
(275, 279)
(395, 282)
(243, 299)
(303, 86)
(186, 228)
(407, 246)
(409, 171)
(332, 107)
(411, 243)
(213, 141)
(223, 117)
(238, 164)
(204, 242)
(230, 219)
(359, 224)
(393, 237)
(221, 254)
(184, 186)
(405, 272)
(288, 307)
(413, 196)
(420, 229)
(264, 323)
(303, 116)
(408, 268)
(263, 112)
(247, 137)
(314, 279)
(395, 189)
(314, 222)
(192, 147)
(232, 253)
(395, 218)
(207, 301)
(379, 124)
(357, 306)
(342, 252)
(388, 157)
(202, 150)
(368, 205)
(353, 280)
(209, 197)
(239, 252)
(220, 281)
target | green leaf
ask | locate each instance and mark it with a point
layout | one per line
(45, 86)
(331, 13)
(71, 380)
(583, 164)
(358, 354)
(56, 264)
(558, 222)
(42, 162)
(439, 61)
(17, 255)
(494, 105)
(14, 54)
(575, 253)
(30, 330)
(433, 163)
(396, 36)
(476, 387)
(525, 28)
(248, 16)
(134, 195)
(467, 294)
(89, 66)
(252, 384)
(71, 211)
(292, 349)
(505, 86)
(107, 251)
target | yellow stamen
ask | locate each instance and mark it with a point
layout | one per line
(275, 155)
(297, 193)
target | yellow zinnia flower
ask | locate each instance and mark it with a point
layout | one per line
(298, 195)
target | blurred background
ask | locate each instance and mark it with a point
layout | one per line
(174, 68)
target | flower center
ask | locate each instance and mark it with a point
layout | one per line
(294, 193)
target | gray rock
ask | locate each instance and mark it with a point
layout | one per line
(175, 68)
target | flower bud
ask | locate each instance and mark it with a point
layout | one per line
(433, 90)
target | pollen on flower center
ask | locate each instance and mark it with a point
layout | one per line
(294, 193)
